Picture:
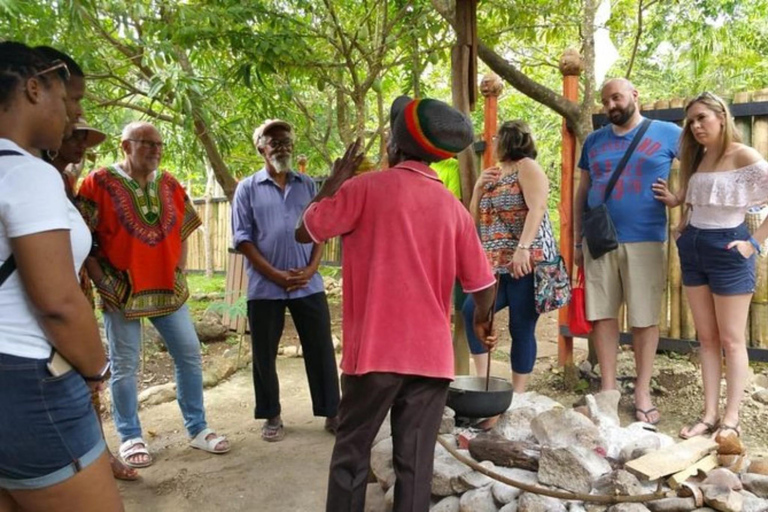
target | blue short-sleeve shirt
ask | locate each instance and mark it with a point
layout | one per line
(637, 215)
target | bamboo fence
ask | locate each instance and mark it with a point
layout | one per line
(676, 317)
(217, 226)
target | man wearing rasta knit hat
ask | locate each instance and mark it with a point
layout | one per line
(406, 240)
(428, 130)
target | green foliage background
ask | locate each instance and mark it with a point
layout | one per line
(332, 67)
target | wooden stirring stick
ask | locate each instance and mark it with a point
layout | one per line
(490, 329)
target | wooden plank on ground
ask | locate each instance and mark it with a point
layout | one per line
(706, 464)
(672, 459)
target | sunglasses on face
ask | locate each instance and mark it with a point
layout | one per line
(59, 67)
(149, 144)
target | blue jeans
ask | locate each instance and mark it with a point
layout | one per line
(48, 427)
(518, 295)
(178, 332)
(706, 260)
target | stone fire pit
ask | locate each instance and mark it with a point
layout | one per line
(581, 450)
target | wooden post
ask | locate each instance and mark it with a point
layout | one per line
(490, 87)
(571, 66)
(464, 84)
(759, 307)
(674, 277)
(464, 92)
(302, 161)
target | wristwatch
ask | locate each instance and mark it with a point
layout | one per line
(523, 246)
(103, 375)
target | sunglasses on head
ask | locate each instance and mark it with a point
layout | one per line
(709, 96)
(59, 66)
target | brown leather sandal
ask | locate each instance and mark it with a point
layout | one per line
(725, 428)
(708, 431)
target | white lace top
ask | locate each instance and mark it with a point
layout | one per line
(720, 199)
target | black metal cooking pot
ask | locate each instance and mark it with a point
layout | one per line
(468, 397)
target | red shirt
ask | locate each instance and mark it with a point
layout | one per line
(406, 239)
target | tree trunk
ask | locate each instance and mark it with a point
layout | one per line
(208, 222)
(359, 101)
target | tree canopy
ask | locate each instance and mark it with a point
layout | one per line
(209, 71)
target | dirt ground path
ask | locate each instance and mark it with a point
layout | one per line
(289, 476)
(255, 475)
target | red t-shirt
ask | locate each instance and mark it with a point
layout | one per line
(406, 239)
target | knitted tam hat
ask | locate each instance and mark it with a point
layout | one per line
(429, 129)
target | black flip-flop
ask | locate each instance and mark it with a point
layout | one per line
(647, 413)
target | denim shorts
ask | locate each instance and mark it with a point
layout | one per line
(48, 427)
(706, 260)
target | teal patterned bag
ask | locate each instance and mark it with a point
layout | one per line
(551, 281)
(553, 286)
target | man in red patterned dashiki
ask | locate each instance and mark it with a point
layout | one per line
(141, 217)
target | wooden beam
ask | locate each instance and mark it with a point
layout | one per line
(706, 464)
(672, 459)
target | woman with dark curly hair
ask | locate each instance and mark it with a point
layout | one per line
(509, 202)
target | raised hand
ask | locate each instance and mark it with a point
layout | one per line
(344, 168)
(490, 175)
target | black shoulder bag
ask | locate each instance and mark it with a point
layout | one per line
(9, 265)
(596, 224)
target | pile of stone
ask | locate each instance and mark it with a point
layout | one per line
(581, 450)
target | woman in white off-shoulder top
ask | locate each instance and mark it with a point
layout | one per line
(720, 180)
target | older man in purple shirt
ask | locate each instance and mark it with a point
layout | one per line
(282, 273)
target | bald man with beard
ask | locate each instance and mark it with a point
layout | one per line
(635, 272)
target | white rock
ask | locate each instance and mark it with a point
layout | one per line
(159, 394)
(753, 503)
(537, 402)
(478, 500)
(761, 396)
(639, 447)
(558, 428)
(628, 507)
(473, 480)
(615, 439)
(504, 493)
(374, 498)
(756, 484)
(445, 470)
(448, 504)
(618, 483)
(571, 468)
(530, 502)
(722, 498)
(672, 505)
(515, 424)
(509, 507)
(389, 498)
(604, 408)
(381, 463)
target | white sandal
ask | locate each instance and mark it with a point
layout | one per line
(135, 446)
(209, 446)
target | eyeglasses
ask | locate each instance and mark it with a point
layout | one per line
(57, 65)
(279, 143)
(149, 144)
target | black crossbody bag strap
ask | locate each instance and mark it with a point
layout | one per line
(623, 163)
(9, 265)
